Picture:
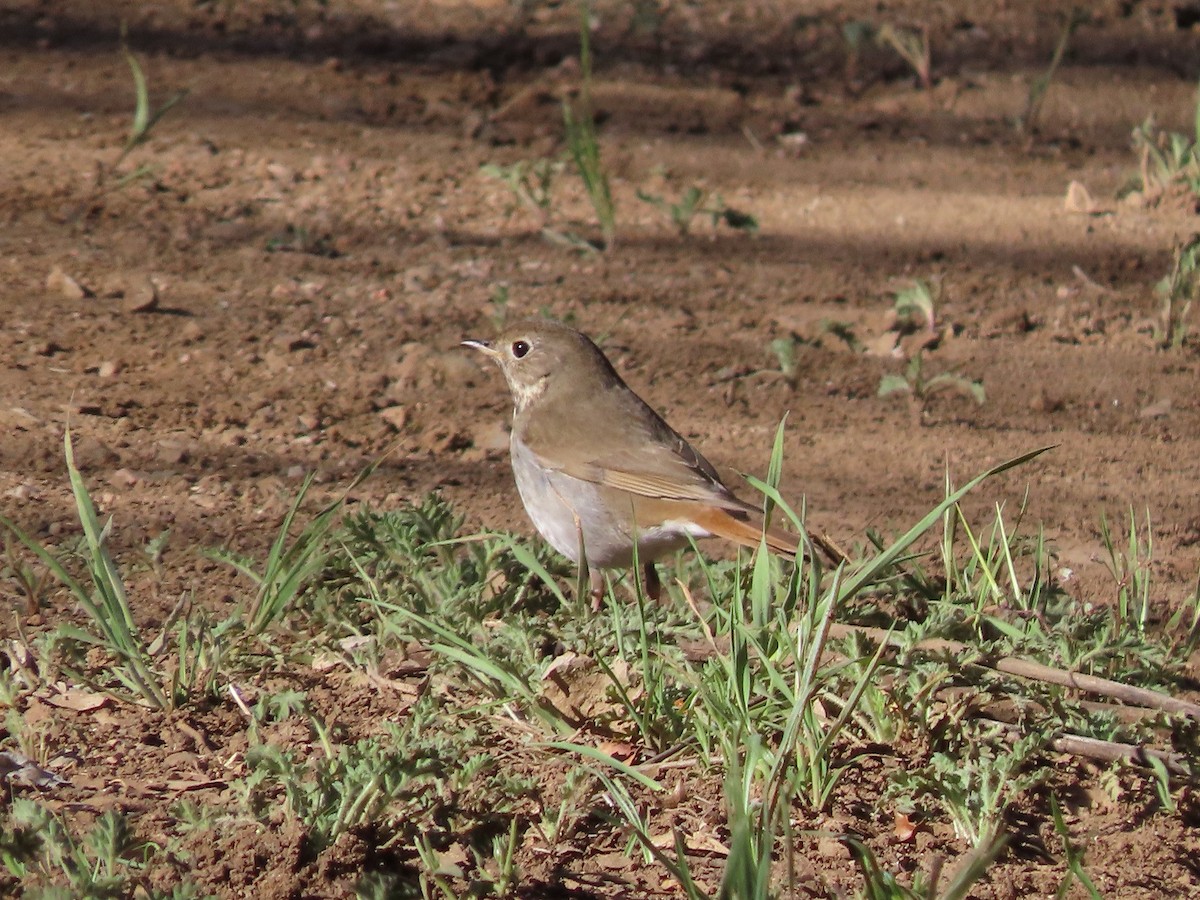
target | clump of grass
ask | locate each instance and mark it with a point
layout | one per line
(1168, 162)
(131, 674)
(1177, 290)
(775, 678)
(697, 201)
(582, 141)
(145, 118)
(1038, 88)
(1073, 855)
(530, 181)
(109, 860)
(879, 884)
(290, 564)
(912, 44)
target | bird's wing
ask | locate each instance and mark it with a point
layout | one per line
(635, 450)
(655, 462)
(663, 471)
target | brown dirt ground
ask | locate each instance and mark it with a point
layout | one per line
(319, 239)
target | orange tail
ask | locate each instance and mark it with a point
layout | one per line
(745, 532)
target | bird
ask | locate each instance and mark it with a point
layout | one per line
(599, 471)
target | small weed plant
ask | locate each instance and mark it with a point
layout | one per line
(583, 143)
(1177, 291)
(110, 178)
(696, 201)
(912, 45)
(1035, 98)
(1168, 162)
(919, 387)
(915, 306)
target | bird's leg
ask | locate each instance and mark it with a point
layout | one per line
(653, 585)
(596, 583)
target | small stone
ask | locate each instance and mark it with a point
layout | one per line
(1045, 402)
(172, 452)
(1080, 200)
(124, 478)
(108, 368)
(191, 332)
(93, 454)
(395, 416)
(60, 282)
(141, 297)
(24, 491)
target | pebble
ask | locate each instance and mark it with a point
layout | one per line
(172, 452)
(395, 416)
(25, 491)
(93, 454)
(61, 283)
(108, 368)
(124, 478)
(142, 297)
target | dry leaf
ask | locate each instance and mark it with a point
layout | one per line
(578, 688)
(702, 842)
(80, 701)
(905, 828)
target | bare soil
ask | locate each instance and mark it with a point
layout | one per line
(285, 291)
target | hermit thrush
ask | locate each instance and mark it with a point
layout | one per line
(600, 471)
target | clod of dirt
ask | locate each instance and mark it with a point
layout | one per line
(1157, 410)
(1079, 200)
(124, 478)
(1045, 402)
(883, 345)
(59, 282)
(395, 416)
(172, 452)
(91, 454)
(832, 848)
(142, 297)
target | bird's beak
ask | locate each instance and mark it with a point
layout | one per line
(485, 346)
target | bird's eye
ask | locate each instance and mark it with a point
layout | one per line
(520, 348)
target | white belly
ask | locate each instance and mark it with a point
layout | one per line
(562, 507)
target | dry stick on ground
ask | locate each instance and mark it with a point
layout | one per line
(1105, 751)
(1009, 710)
(1024, 668)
